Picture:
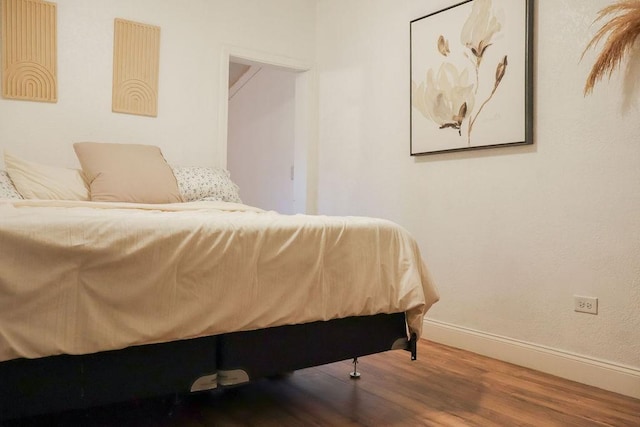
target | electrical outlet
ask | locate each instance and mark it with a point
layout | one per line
(585, 304)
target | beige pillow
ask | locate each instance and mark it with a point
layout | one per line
(36, 181)
(127, 173)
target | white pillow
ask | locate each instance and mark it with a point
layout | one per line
(7, 189)
(37, 181)
(206, 183)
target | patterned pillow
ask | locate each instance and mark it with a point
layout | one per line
(7, 189)
(205, 183)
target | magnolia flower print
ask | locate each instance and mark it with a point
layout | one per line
(501, 69)
(478, 33)
(479, 30)
(446, 97)
(443, 46)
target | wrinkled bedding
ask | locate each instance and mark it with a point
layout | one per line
(83, 277)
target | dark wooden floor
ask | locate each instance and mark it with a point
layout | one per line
(444, 387)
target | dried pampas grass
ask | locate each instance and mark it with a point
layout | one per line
(623, 31)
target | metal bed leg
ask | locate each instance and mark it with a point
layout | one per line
(355, 374)
(413, 346)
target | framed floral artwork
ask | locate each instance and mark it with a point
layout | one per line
(471, 77)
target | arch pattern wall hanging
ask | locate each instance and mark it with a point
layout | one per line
(136, 57)
(29, 50)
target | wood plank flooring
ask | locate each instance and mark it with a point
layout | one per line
(444, 387)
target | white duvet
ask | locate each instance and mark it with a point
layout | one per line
(82, 277)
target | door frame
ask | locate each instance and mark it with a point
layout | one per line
(305, 177)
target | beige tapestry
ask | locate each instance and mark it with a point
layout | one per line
(136, 53)
(29, 50)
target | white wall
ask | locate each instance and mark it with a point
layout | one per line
(260, 143)
(509, 234)
(193, 36)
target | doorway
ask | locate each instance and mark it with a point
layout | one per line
(261, 135)
(304, 171)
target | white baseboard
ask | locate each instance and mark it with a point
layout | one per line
(605, 375)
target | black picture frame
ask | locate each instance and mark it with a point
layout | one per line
(471, 77)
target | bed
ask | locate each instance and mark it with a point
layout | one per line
(108, 301)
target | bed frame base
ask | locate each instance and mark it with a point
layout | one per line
(57, 383)
(293, 347)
